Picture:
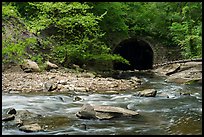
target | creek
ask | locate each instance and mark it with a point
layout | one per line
(160, 115)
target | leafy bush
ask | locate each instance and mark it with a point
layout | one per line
(77, 35)
(15, 52)
(187, 33)
(84, 32)
(8, 10)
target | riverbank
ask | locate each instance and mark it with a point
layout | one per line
(15, 80)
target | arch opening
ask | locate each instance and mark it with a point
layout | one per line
(138, 52)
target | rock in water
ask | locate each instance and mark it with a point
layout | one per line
(31, 128)
(147, 93)
(103, 112)
(87, 111)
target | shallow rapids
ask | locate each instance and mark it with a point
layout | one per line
(169, 113)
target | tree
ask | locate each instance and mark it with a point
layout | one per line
(84, 32)
(187, 32)
(113, 22)
(74, 34)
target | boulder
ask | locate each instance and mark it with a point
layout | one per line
(50, 65)
(27, 121)
(103, 112)
(31, 128)
(168, 69)
(87, 111)
(11, 111)
(29, 66)
(147, 93)
(8, 117)
(189, 65)
(182, 73)
(189, 76)
(50, 86)
(23, 119)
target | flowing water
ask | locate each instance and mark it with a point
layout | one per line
(160, 115)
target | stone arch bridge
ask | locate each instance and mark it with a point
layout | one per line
(143, 53)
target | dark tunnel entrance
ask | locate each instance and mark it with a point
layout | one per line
(138, 52)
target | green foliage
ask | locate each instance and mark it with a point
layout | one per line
(187, 33)
(84, 32)
(76, 29)
(8, 10)
(171, 23)
(85, 52)
(113, 22)
(38, 58)
(15, 52)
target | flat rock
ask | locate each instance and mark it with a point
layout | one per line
(30, 128)
(182, 73)
(103, 112)
(185, 77)
(147, 93)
